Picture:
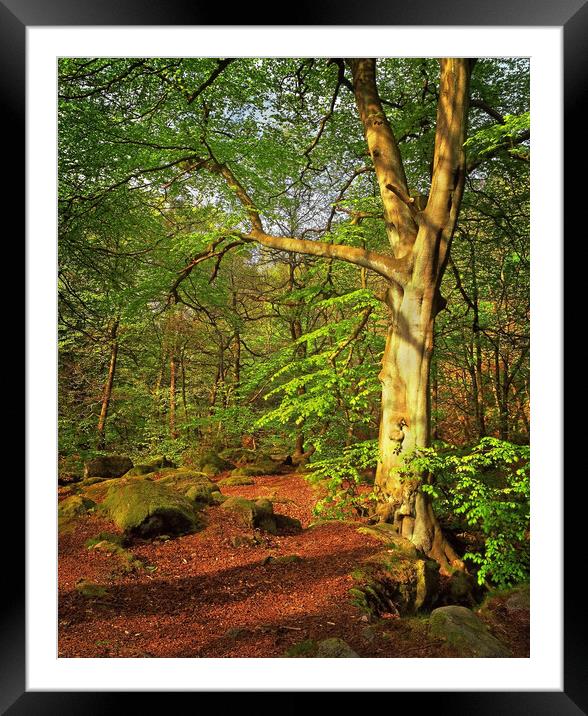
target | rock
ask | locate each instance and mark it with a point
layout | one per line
(282, 559)
(107, 466)
(288, 524)
(236, 633)
(465, 632)
(127, 561)
(302, 650)
(92, 481)
(335, 648)
(388, 582)
(519, 600)
(257, 514)
(211, 470)
(256, 469)
(116, 539)
(212, 461)
(244, 541)
(244, 508)
(235, 481)
(460, 589)
(140, 470)
(68, 479)
(159, 462)
(90, 590)
(194, 485)
(74, 506)
(147, 509)
(245, 471)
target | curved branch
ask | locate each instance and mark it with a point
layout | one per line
(390, 268)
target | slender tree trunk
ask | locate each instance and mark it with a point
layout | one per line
(107, 392)
(183, 373)
(172, 395)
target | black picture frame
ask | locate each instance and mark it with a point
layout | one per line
(572, 16)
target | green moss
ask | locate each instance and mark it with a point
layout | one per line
(282, 559)
(193, 484)
(242, 507)
(112, 537)
(235, 481)
(74, 506)
(140, 470)
(149, 508)
(245, 471)
(211, 460)
(391, 582)
(304, 649)
(126, 560)
(90, 590)
(253, 514)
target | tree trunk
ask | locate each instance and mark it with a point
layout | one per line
(172, 396)
(107, 392)
(405, 425)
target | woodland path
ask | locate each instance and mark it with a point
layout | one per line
(204, 597)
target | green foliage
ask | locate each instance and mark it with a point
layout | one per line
(342, 477)
(488, 489)
(497, 136)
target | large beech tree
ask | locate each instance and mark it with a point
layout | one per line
(170, 128)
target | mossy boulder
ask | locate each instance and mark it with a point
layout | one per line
(107, 466)
(193, 484)
(255, 514)
(236, 481)
(210, 460)
(159, 462)
(147, 509)
(97, 490)
(112, 537)
(334, 648)
(302, 650)
(140, 470)
(74, 506)
(239, 456)
(287, 524)
(465, 632)
(461, 589)
(155, 464)
(389, 582)
(260, 467)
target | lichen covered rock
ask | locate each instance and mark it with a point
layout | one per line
(465, 632)
(107, 466)
(146, 509)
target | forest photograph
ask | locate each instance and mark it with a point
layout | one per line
(293, 357)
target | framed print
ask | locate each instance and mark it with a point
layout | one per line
(37, 675)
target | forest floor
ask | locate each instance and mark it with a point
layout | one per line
(201, 596)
